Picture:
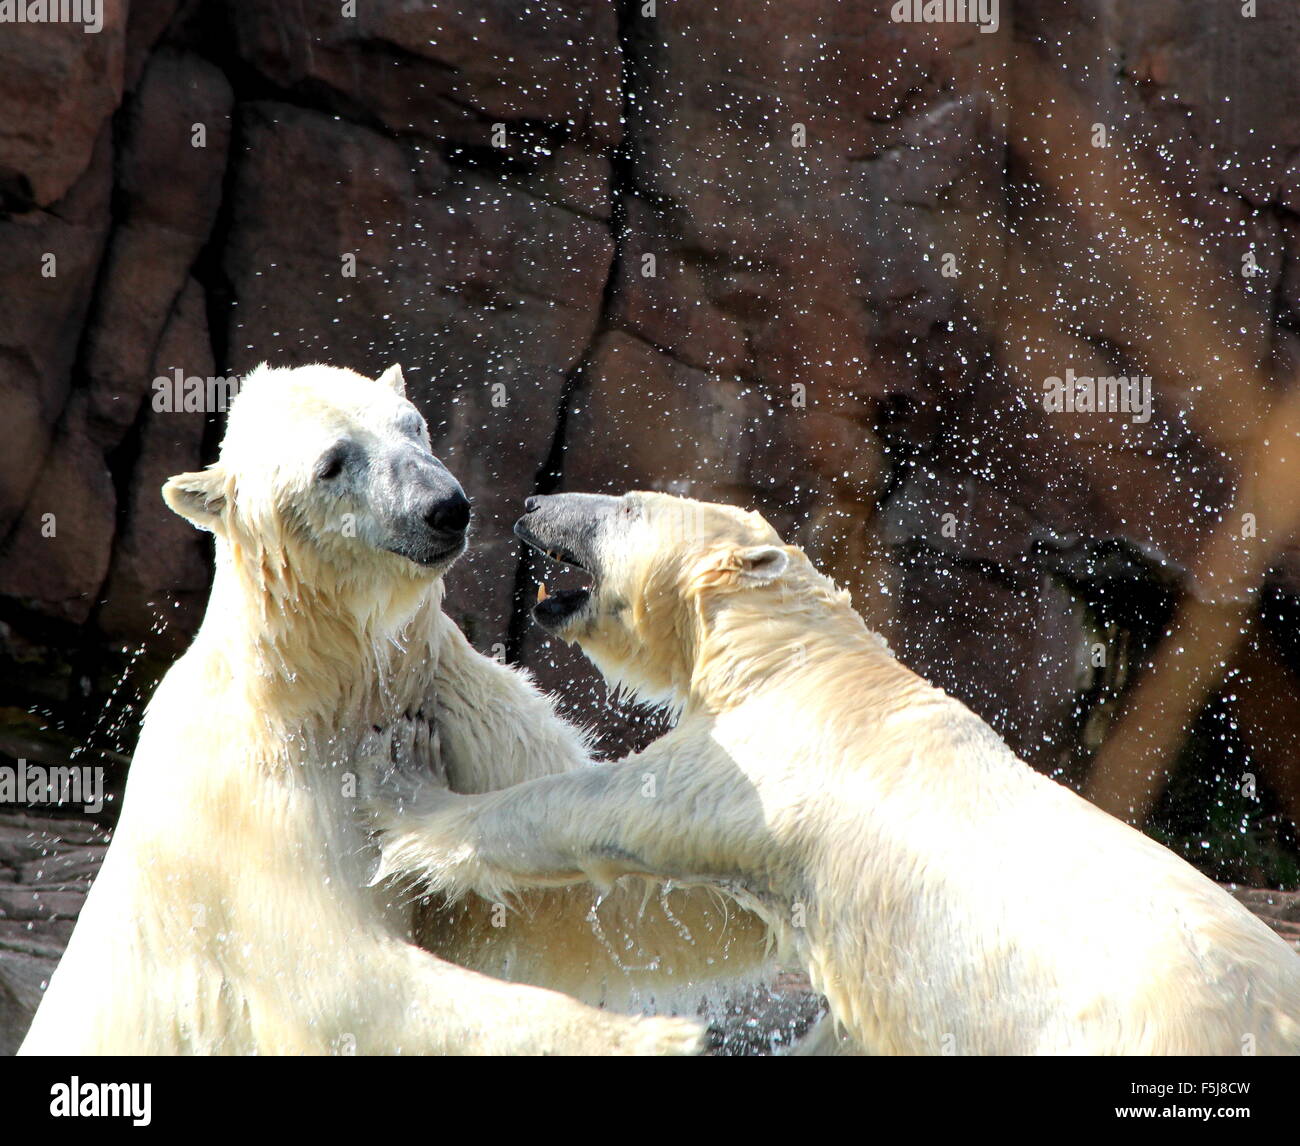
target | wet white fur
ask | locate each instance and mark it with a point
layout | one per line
(945, 897)
(233, 913)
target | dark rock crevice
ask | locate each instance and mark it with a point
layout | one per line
(550, 476)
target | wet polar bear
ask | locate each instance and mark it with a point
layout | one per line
(233, 912)
(944, 896)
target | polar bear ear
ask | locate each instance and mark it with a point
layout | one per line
(393, 376)
(742, 568)
(761, 563)
(198, 497)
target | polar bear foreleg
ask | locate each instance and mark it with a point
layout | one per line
(595, 824)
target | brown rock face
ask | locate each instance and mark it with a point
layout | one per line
(168, 191)
(48, 263)
(159, 576)
(56, 557)
(59, 85)
(451, 71)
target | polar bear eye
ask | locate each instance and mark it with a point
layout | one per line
(331, 463)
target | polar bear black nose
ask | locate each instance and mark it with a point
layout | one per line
(450, 515)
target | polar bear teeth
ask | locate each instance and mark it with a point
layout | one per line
(541, 591)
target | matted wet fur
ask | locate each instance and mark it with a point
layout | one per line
(233, 913)
(946, 898)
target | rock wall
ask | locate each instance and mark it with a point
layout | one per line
(45, 871)
(795, 255)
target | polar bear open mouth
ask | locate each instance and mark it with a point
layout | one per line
(569, 528)
(569, 590)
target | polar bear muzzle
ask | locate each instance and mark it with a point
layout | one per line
(569, 528)
(428, 513)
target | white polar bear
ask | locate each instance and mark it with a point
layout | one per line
(944, 896)
(233, 912)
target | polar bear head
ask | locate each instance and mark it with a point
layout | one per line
(326, 481)
(657, 570)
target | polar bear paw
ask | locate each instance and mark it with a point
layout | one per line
(426, 842)
(667, 1036)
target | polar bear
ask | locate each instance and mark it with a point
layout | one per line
(944, 896)
(233, 913)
